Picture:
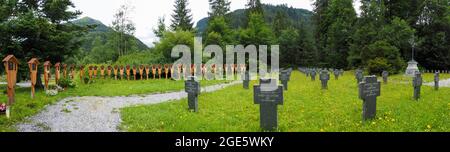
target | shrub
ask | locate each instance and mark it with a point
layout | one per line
(66, 83)
(86, 80)
(378, 65)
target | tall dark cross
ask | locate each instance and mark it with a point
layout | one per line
(284, 78)
(246, 79)
(369, 90)
(336, 74)
(385, 75)
(436, 81)
(268, 95)
(417, 84)
(192, 87)
(313, 75)
(324, 77)
(359, 75)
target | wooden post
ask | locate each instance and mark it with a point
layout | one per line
(128, 71)
(154, 71)
(159, 71)
(72, 71)
(121, 72)
(95, 72)
(90, 68)
(81, 72)
(141, 71)
(57, 72)
(109, 71)
(11, 67)
(116, 68)
(102, 71)
(147, 70)
(47, 74)
(33, 66)
(134, 72)
(166, 70)
(65, 71)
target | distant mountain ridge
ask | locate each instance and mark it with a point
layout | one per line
(100, 30)
(238, 16)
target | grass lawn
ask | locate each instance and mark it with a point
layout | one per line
(307, 108)
(25, 106)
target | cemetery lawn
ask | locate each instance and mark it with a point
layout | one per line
(25, 106)
(307, 108)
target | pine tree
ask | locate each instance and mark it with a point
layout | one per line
(182, 18)
(219, 7)
(161, 27)
(280, 23)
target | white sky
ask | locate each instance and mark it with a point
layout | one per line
(147, 12)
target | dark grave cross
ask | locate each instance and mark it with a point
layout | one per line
(284, 78)
(313, 75)
(324, 77)
(268, 95)
(342, 72)
(436, 81)
(417, 84)
(385, 75)
(307, 72)
(369, 90)
(192, 87)
(359, 76)
(246, 79)
(336, 74)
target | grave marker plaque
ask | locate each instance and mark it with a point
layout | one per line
(436, 81)
(33, 65)
(268, 101)
(246, 80)
(284, 77)
(369, 90)
(336, 74)
(192, 87)
(359, 76)
(313, 75)
(324, 77)
(385, 75)
(417, 84)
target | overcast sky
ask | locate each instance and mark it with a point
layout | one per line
(147, 12)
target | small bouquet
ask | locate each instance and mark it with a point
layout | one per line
(2, 108)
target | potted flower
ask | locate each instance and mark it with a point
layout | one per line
(2, 108)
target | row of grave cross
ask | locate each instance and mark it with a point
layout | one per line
(324, 74)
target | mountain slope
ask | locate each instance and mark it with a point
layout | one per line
(100, 30)
(238, 17)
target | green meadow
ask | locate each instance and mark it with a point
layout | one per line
(306, 108)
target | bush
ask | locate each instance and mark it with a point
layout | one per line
(66, 83)
(382, 54)
(378, 65)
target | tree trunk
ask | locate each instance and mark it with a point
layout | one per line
(39, 84)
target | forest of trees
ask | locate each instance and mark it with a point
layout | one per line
(334, 35)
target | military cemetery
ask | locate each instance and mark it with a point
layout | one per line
(232, 72)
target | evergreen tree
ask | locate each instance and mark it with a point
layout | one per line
(161, 27)
(218, 7)
(280, 23)
(182, 18)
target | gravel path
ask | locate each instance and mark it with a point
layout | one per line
(95, 114)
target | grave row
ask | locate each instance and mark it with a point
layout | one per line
(268, 94)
